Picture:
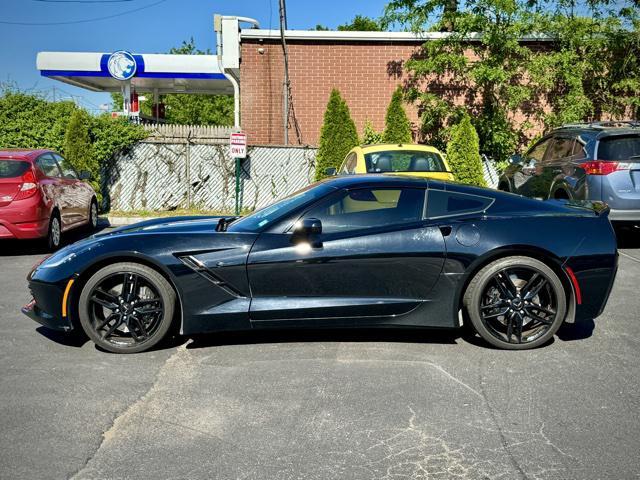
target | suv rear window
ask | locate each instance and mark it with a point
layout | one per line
(619, 148)
(13, 168)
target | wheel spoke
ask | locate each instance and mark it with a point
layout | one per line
(510, 326)
(494, 315)
(130, 286)
(146, 311)
(491, 306)
(141, 326)
(148, 301)
(543, 310)
(505, 285)
(518, 329)
(532, 290)
(537, 317)
(103, 323)
(113, 327)
(109, 296)
(109, 305)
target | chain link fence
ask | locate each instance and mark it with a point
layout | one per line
(156, 175)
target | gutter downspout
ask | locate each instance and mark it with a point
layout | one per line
(217, 25)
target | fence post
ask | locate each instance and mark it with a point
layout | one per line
(187, 154)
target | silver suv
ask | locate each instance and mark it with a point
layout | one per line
(595, 161)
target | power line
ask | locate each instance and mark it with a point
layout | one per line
(88, 20)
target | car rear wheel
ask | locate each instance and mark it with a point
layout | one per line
(93, 215)
(54, 234)
(516, 303)
(126, 307)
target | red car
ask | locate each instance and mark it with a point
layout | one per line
(42, 196)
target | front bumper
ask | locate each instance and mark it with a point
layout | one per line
(46, 306)
(624, 215)
(35, 313)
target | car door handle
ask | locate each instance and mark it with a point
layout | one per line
(445, 230)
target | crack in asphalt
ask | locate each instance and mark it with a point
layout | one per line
(110, 434)
(494, 419)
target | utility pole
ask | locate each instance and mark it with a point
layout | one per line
(286, 86)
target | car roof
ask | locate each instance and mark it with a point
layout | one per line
(599, 130)
(397, 147)
(22, 153)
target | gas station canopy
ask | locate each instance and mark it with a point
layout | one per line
(158, 73)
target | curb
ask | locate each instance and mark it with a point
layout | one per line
(122, 221)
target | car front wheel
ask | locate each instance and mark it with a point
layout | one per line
(516, 303)
(126, 307)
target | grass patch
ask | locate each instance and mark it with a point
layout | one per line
(166, 213)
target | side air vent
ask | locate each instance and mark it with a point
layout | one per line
(199, 267)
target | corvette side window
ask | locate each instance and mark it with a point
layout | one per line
(368, 208)
(442, 204)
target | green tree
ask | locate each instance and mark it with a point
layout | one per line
(590, 70)
(397, 128)
(337, 137)
(30, 121)
(188, 109)
(369, 135)
(463, 153)
(361, 23)
(78, 148)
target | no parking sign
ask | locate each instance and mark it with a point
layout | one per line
(238, 145)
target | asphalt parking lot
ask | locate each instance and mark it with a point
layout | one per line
(321, 405)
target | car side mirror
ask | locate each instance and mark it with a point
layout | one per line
(330, 172)
(307, 230)
(85, 175)
(515, 159)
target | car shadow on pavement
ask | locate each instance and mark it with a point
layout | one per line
(628, 237)
(569, 332)
(14, 248)
(325, 335)
(70, 339)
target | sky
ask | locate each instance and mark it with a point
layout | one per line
(155, 29)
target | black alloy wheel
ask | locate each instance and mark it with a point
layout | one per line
(516, 303)
(126, 307)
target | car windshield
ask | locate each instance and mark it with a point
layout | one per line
(619, 148)
(403, 161)
(265, 216)
(12, 168)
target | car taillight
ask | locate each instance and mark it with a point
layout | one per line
(601, 167)
(29, 186)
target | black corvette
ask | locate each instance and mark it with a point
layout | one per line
(354, 251)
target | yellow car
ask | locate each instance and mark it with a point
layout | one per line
(412, 160)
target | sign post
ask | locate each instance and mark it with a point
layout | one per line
(238, 151)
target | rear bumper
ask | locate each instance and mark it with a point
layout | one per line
(25, 230)
(624, 215)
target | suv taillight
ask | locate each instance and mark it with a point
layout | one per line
(29, 186)
(601, 167)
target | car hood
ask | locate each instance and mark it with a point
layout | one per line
(168, 225)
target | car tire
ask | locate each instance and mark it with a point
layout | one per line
(139, 301)
(516, 298)
(92, 224)
(54, 234)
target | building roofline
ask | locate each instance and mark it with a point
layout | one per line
(353, 36)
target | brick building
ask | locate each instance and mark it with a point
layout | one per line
(365, 66)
